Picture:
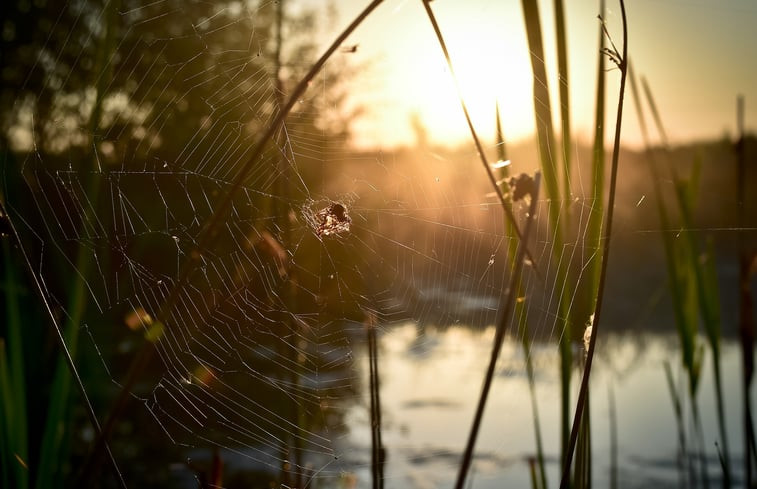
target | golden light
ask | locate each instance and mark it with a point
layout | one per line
(490, 58)
(485, 79)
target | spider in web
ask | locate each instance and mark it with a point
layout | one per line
(333, 219)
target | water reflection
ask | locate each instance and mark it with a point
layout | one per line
(431, 380)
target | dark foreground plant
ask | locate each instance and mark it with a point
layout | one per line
(206, 240)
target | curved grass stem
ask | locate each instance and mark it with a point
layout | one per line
(584, 388)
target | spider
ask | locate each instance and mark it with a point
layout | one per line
(521, 186)
(333, 219)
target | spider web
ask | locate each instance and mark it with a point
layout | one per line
(255, 336)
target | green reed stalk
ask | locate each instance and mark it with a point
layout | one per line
(58, 410)
(679, 284)
(547, 153)
(621, 60)
(562, 80)
(678, 412)
(693, 287)
(701, 267)
(594, 231)
(746, 309)
(52, 442)
(582, 470)
(14, 448)
(613, 416)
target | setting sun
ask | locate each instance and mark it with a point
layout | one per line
(491, 62)
(487, 44)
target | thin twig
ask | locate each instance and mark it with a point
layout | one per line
(582, 394)
(499, 336)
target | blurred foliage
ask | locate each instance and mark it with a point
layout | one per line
(110, 94)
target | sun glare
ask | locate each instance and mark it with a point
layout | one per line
(490, 59)
(489, 72)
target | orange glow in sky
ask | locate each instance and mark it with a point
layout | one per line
(697, 56)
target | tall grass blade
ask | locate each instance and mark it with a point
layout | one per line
(14, 438)
(703, 274)
(562, 81)
(613, 416)
(746, 309)
(501, 145)
(542, 109)
(655, 113)
(703, 473)
(594, 230)
(66, 357)
(77, 301)
(677, 277)
(547, 156)
(582, 468)
(678, 412)
(582, 401)
(7, 411)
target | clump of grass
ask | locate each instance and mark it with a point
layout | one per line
(692, 281)
(14, 449)
(53, 447)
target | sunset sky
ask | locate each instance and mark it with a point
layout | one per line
(697, 56)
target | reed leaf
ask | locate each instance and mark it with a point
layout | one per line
(702, 274)
(547, 152)
(678, 413)
(594, 231)
(542, 110)
(562, 81)
(52, 448)
(14, 441)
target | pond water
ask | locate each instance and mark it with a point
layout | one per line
(430, 383)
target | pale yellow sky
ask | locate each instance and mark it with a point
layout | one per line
(697, 56)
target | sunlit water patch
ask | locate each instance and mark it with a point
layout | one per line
(431, 380)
